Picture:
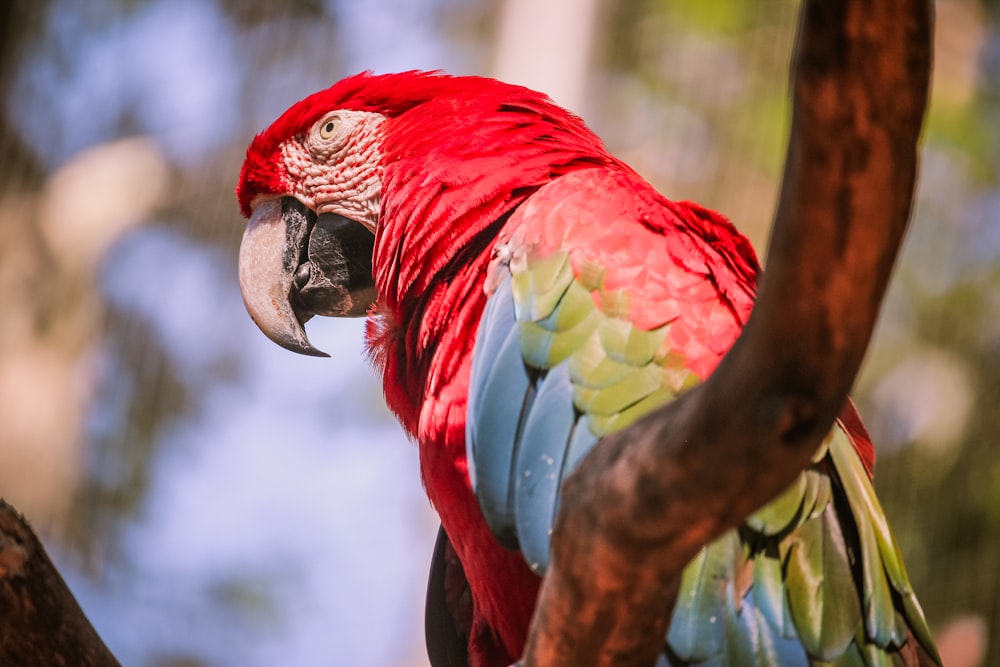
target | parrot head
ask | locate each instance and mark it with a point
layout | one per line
(314, 184)
(311, 188)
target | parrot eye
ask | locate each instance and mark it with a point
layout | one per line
(328, 127)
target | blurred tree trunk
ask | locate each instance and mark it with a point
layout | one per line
(547, 46)
(20, 22)
(39, 410)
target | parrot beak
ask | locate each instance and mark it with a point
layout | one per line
(294, 265)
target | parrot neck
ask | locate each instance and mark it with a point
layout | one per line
(422, 338)
(446, 196)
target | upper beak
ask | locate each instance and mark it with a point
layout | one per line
(294, 265)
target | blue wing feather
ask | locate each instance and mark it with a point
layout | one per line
(502, 392)
(547, 430)
(526, 430)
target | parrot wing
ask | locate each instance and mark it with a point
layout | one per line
(607, 301)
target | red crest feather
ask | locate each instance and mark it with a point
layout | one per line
(387, 94)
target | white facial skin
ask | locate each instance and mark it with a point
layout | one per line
(337, 166)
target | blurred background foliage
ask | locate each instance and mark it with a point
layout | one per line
(214, 500)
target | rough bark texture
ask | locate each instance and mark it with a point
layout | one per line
(40, 621)
(645, 500)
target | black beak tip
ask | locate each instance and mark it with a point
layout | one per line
(308, 350)
(293, 338)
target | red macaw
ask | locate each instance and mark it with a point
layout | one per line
(527, 293)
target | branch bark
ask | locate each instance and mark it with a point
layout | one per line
(40, 620)
(648, 498)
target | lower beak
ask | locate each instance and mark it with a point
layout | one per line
(294, 265)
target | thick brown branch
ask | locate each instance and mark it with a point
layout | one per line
(643, 503)
(40, 621)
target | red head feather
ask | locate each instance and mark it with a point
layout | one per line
(386, 94)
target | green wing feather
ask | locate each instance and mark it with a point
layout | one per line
(814, 577)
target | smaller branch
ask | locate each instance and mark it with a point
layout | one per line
(41, 622)
(649, 497)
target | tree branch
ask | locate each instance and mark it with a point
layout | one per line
(648, 498)
(40, 621)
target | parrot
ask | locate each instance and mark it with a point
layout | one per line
(527, 293)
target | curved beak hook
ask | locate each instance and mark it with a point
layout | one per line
(270, 254)
(294, 265)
